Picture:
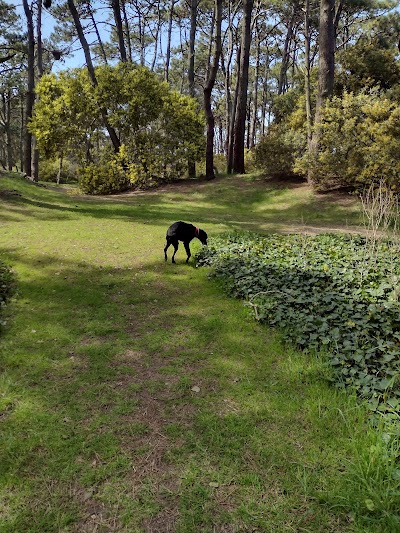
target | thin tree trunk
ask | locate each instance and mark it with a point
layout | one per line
(153, 64)
(307, 72)
(326, 67)
(208, 90)
(192, 40)
(22, 134)
(248, 123)
(60, 166)
(127, 31)
(30, 95)
(264, 95)
(169, 36)
(210, 45)
(253, 131)
(285, 58)
(103, 52)
(240, 122)
(141, 37)
(120, 32)
(231, 143)
(228, 101)
(89, 64)
(7, 127)
(39, 58)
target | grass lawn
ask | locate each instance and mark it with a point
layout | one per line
(135, 396)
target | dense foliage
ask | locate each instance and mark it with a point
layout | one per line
(278, 150)
(359, 141)
(338, 294)
(159, 129)
(6, 287)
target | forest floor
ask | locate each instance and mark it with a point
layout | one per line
(137, 397)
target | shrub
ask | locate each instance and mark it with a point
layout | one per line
(275, 154)
(48, 169)
(325, 293)
(7, 287)
(359, 142)
(219, 165)
(160, 129)
(109, 175)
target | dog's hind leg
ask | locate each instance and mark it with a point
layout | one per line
(176, 246)
(166, 248)
(187, 248)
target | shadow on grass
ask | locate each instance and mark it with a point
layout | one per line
(230, 201)
(87, 360)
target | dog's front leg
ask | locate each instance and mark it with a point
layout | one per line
(187, 248)
(176, 246)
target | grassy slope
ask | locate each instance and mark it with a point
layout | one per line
(101, 430)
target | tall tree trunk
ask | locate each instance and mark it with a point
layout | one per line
(240, 122)
(169, 36)
(127, 31)
(208, 90)
(326, 70)
(96, 29)
(228, 100)
(22, 133)
(89, 64)
(30, 94)
(210, 44)
(231, 142)
(192, 40)
(6, 97)
(326, 66)
(120, 32)
(285, 58)
(307, 83)
(158, 31)
(60, 166)
(253, 131)
(39, 62)
(141, 36)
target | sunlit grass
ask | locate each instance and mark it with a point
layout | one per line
(135, 396)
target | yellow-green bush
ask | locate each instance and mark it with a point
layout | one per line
(48, 170)
(107, 176)
(359, 141)
(275, 154)
(161, 129)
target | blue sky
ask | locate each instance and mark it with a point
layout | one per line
(75, 60)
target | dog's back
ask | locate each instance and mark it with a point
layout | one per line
(182, 231)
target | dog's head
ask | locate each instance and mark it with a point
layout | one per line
(202, 236)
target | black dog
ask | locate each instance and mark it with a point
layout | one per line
(181, 231)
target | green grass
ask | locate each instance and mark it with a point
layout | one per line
(135, 396)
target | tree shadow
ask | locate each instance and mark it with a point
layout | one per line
(100, 366)
(229, 201)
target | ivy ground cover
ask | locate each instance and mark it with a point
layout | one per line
(335, 293)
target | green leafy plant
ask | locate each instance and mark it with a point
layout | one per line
(105, 177)
(324, 295)
(358, 142)
(275, 154)
(160, 130)
(7, 287)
